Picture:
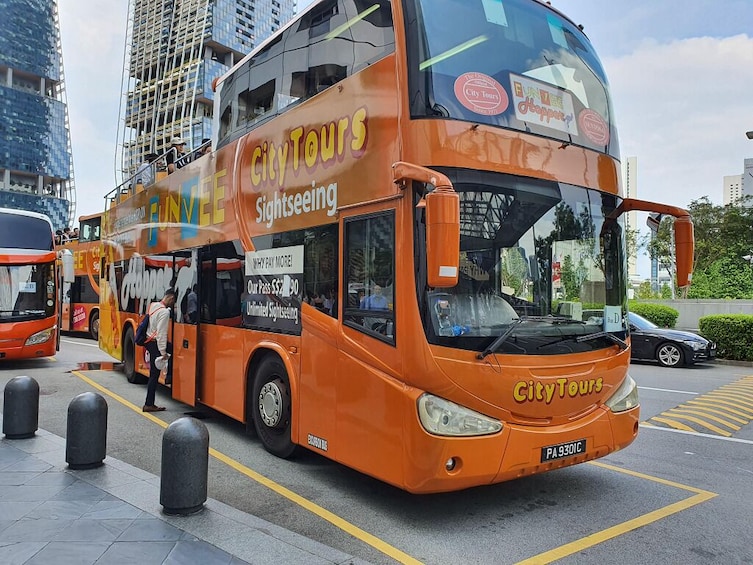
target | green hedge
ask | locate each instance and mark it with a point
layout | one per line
(662, 316)
(733, 334)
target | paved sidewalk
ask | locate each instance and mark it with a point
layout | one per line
(50, 514)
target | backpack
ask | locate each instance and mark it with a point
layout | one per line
(141, 337)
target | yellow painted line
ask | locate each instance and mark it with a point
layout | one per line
(323, 513)
(615, 531)
(714, 409)
(738, 390)
(625, 527)
(729, 396)
(724, 403)
(681, 410)
(727, 401)
(673, 424)
(700, 422)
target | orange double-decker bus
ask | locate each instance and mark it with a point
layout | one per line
(29, 290)
(80, 308)
(406, 251)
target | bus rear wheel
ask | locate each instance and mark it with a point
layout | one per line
(129, 358)
(94, 325)
(271, 407)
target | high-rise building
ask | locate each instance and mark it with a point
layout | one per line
(735, 187)
(174, 51)
(732, 190)
(36, 167)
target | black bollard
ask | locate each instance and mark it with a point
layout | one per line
(86, 439)
(185, 464)
(20, 408)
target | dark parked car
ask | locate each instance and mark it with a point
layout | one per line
(671, 348)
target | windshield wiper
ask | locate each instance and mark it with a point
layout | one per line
(503, 338)
(500, 340)
(588, 337)
(610, 336)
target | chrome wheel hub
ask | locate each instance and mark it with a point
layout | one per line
(271, 404)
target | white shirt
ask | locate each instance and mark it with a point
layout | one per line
(159, 316)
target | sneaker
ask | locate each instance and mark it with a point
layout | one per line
(152, 408)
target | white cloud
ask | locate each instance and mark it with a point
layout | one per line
(681, 109)
(92, 36)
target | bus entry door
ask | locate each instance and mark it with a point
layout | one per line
(185, 328)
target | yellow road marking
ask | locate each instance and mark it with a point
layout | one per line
(731, 397)
(706, 407)
(723, 403)
(681, 410)
(700, 422)
(330, 517)
(401, 557)
(625, 527)
(673, 424)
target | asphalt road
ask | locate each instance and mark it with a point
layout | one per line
(673, 496)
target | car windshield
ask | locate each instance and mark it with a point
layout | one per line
(540, 262)
(515, 64)
(640, 322)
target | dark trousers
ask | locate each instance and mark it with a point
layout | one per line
(151, 385)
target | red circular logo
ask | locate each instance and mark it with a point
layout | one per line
(594, 127)
(482, 94)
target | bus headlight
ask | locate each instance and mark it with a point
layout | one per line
(444, 418)
(39, 337)
(625, 398)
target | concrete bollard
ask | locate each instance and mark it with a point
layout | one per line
(21, 408)
(86, 438)
(185, 464)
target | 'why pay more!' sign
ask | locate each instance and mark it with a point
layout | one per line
(274, 283)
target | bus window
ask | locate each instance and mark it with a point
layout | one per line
(222, 285)
(369, 272)
(371, 29)
(320, 251)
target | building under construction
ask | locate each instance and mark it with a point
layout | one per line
(174, 50)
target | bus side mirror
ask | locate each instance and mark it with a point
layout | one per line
(684, 250)
(66, 259)
(442, 238)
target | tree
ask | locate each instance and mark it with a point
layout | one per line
(723, 235)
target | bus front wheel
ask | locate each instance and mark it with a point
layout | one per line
(271, 407)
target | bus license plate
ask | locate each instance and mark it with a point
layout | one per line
(568, 449)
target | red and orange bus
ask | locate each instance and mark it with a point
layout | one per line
(80, 309)
(29, 290)
(365, 264)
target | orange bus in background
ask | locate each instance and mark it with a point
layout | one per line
(29, 291)
(407, 249)
(80, 310)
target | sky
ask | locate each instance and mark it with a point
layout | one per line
(681, 73)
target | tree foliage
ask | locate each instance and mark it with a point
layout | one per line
(723, 236)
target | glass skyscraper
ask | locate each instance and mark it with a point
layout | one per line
(36, 169)
(174, 50)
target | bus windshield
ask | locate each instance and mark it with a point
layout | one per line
(27, 292)
(514, 64)
(540, 259)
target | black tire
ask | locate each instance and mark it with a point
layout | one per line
(669, 355)
(94, 325)
(270, 407)
(129, 358)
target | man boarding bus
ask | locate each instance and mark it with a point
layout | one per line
(433, 158)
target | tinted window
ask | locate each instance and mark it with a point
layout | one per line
(25, 232)
(369, 275)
